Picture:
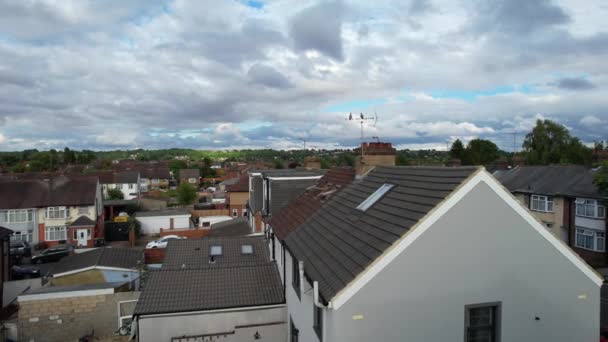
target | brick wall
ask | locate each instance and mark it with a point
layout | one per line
(67, 319)
(154, 255)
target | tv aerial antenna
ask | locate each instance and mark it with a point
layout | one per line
(362, 119)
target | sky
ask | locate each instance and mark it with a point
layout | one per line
(238, 74)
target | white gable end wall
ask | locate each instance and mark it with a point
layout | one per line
(480, 250)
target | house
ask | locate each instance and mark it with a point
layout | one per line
(66, 313)
(152, 221)
(213, 289)
(290, 217)
(271, 190)
(45, 210)
(5, 263)
(128, 182)
(154, 178)
(237, 195)
(190, 176)
(100, 265)
(434, 254)
(567, 202)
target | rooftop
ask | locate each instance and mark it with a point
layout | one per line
(100, 257)
(168, 212)
(235, 227)
(183, 290)
(339, 241)
(555, 180)
(58, 191)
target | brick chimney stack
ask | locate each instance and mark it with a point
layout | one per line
(372, 154)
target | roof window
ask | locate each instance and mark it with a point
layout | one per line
(246, 249)
(215, 250)
(373, 198)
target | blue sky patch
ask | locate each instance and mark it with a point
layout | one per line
(472, 95)
(254, 4)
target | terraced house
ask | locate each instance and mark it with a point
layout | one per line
(52, 210)
(565, 200)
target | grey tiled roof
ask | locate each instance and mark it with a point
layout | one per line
(106, 257)
(4, 232)
(58, 191)
(339, 241)
(284, 191)
(184, 290)
(292, 173)
(235, 227)
(189, 173)
(564, 180)
(194, 253)
(83, 221)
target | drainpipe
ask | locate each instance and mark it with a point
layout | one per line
(315, 296)
(301, 270)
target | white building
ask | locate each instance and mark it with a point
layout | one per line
(128, 182)
(434, 254)
(152, 221)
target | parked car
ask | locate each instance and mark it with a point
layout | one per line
(162, 242)
(21, 248)
(52, 254)
(24, 272)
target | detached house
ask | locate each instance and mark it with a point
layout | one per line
(433, 254)
(128, 182)
(271, 190)
(237, 195)
(154, 178)
(59, 209)
(565, 200)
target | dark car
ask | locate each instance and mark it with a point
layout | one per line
(52, 254)
(24, 272)
(21, 248)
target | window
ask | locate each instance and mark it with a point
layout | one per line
(244, 212)
(56, 212)
(119, 186)
(130, 186)
(19, 216)
(482, 323)
(373, 198)
(548, 224)
(317, 322)
(295, 276)
(541, 203)
(23, 236)
(155, 181)
(590, 239)
(83, 210)
(294, 333)
(235, 212)
(589, 208)
(215, 250)
(246, 249)
(206, 224)
(55, 233)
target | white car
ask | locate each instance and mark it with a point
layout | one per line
(162, 242)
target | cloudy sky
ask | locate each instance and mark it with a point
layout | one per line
(268, 73)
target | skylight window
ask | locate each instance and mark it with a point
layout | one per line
(373, 198)
(215, 250)
(246, 249)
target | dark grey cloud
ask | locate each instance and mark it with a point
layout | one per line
(574, 84)
(268, 76)
(516, 17)
(319, 28)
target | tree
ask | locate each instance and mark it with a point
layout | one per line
(186, 194)
(551, 143)
(69, 157)
(601, 178)
(115, 194)
(480, 152)
(176, 165)
(457, 151)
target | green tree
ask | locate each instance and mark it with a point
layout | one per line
(175, 165)
(186, 194)
(480, 152)
(114, 194)
(601, 178)
(551, 143)
(457, 151)
(69, 157)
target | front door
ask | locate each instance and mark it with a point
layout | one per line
(82, 237)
